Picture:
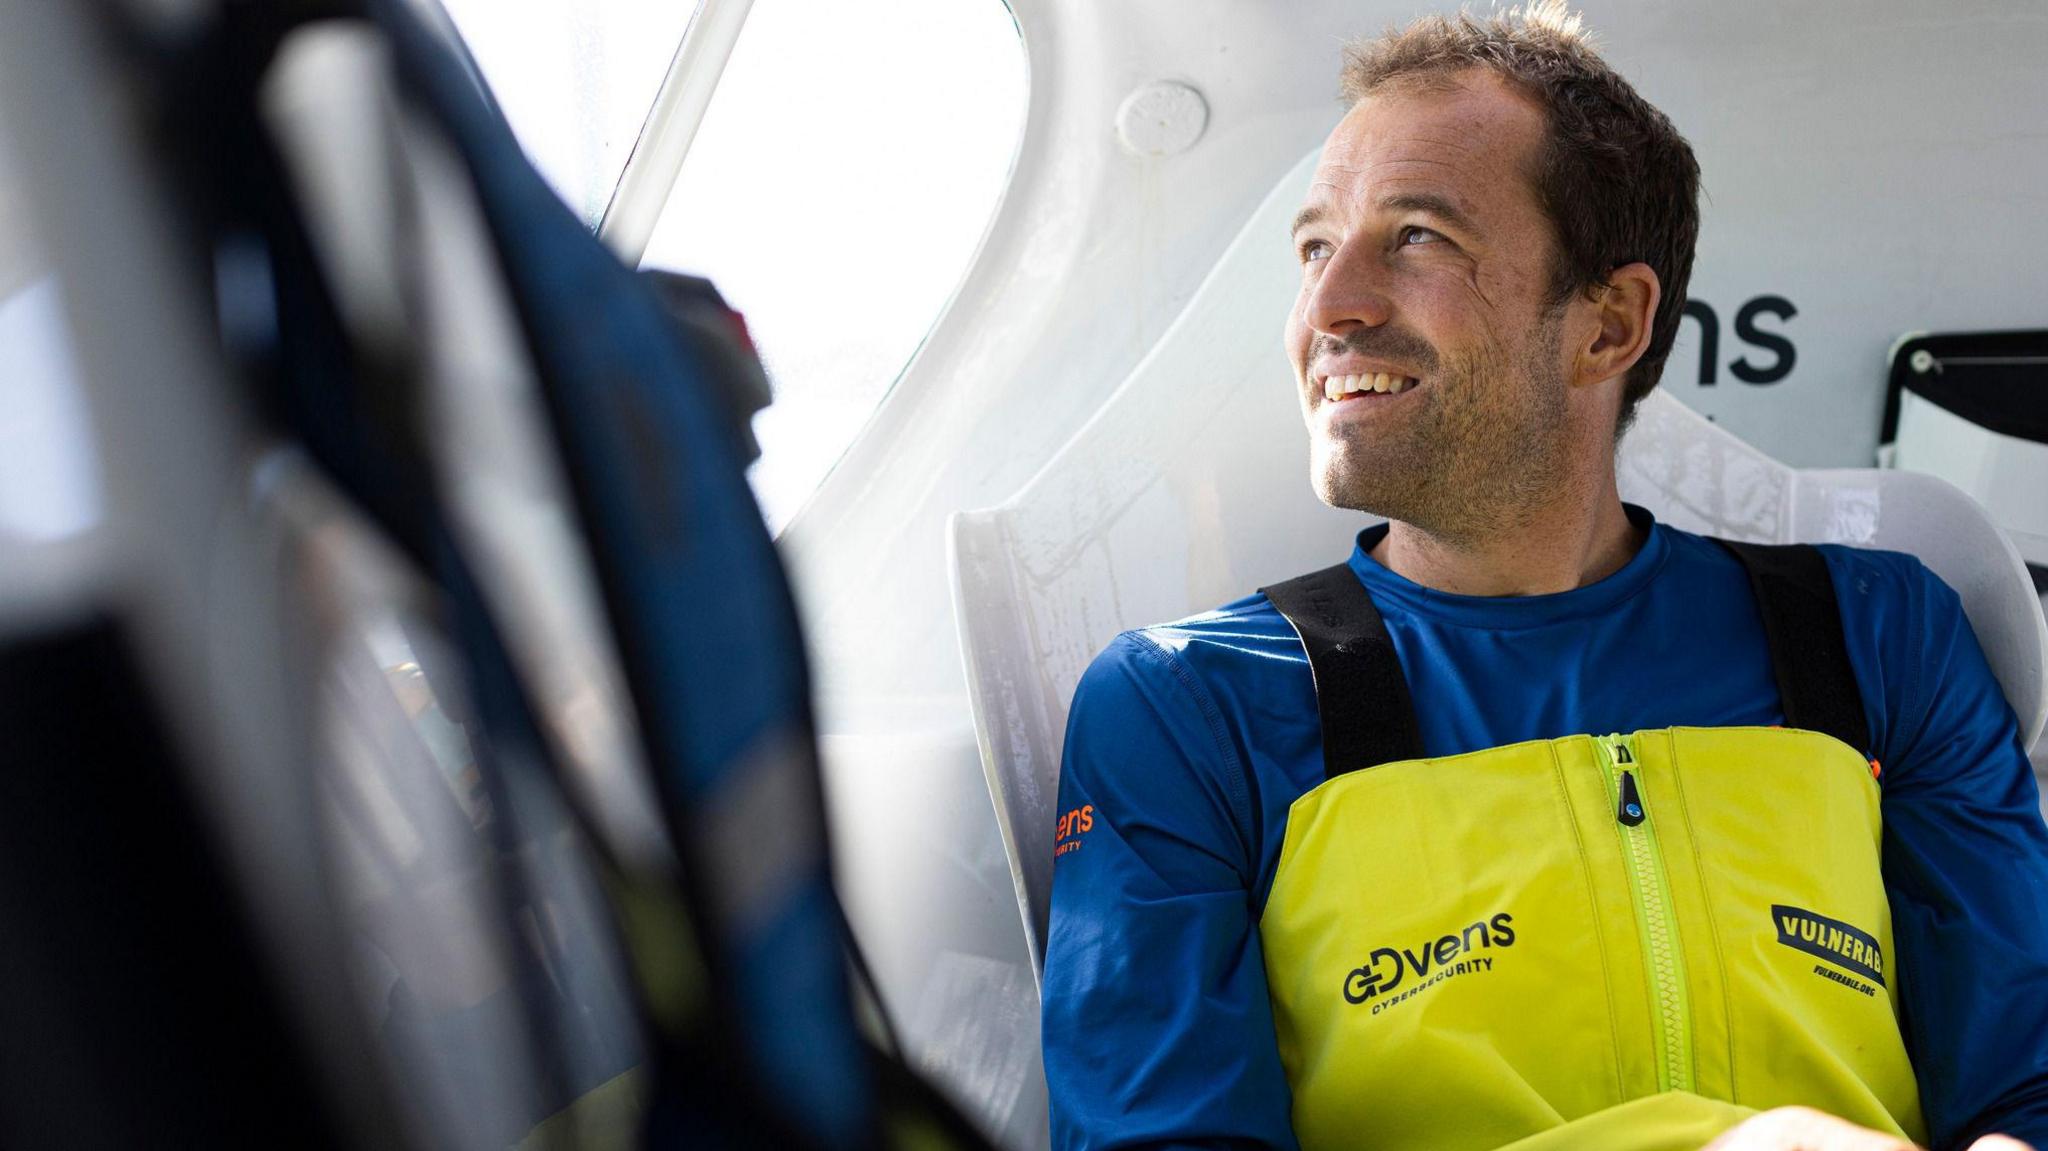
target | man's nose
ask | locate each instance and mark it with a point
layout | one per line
(1350, 293)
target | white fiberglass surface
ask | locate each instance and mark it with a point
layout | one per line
(576, 81)
(841, 182)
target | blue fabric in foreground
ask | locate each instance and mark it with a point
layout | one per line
(697, 598)
(1188, 742)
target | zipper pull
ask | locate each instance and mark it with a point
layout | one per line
(1630, 811)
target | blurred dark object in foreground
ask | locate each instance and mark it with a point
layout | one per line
(417, 749)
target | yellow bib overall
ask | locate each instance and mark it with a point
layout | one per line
(1612, 943)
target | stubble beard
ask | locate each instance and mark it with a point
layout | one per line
(1486, 444)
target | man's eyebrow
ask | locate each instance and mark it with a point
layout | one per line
(1428, 203)
(1431, 204)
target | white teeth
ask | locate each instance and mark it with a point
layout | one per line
(1385, 383)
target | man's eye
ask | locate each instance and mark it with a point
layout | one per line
(1314, 250)
(1412, 235)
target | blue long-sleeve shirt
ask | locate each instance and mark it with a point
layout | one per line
(1187, 743)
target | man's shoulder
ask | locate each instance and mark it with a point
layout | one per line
(1247, 617)
(1220, 652)
(1217, 639)
(1898, 615)
(1878, 580)
(1871, 584)
(1877, 589)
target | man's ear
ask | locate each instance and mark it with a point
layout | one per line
(1624, 310)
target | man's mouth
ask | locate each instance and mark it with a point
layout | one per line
(1337, 389)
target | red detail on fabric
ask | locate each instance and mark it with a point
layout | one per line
(739, 328)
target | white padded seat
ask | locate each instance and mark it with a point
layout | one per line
(1190, 488)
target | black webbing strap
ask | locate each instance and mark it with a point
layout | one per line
(1368, 715)
(1803, 625)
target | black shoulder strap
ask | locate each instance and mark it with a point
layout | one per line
(1803, 624)
(1368, 715)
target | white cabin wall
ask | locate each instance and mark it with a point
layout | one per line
(1882, 168)
(1880, 165)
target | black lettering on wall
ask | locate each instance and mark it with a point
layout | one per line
(1710, 338)
(1747, 331)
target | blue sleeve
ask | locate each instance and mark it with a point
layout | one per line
(1157, 1027)
(1965, 853)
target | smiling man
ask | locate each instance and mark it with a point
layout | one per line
(1537, 823)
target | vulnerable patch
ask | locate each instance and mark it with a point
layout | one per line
(1831, 940)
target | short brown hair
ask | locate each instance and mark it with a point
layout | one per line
(1617, 181)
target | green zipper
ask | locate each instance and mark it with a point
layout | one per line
(1656, 921)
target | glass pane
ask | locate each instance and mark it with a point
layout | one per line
(575, 80)
(842, 178)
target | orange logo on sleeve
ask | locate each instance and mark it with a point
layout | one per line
(1067, 833)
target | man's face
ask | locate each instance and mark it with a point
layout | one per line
(1426, 271)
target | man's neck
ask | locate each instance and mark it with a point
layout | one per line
(1553, 549)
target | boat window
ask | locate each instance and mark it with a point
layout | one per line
(575, 80)
(844, 173)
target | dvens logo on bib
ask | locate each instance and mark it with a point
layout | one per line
(1391, 975)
